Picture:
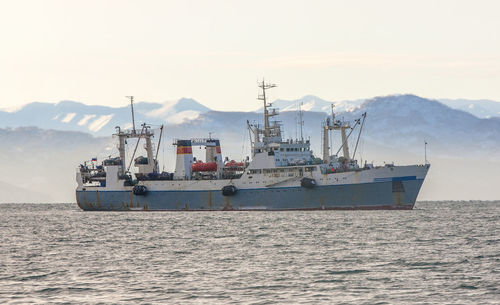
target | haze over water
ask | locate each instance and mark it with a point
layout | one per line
(441, 252)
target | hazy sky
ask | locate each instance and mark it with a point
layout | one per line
(97, 52)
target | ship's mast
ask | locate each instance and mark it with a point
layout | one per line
(301, 122)
(250, 132)
(267, 114)
(121, 148)
(132, 109)
(345, 145)
(149, 149)
(146, 134)
(122, 136)
(331, 124)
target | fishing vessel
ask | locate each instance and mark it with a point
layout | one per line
(280, 174)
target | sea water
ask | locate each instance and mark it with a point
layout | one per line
(440, 252)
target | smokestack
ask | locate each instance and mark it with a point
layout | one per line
(184, 159)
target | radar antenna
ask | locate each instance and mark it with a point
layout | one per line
(132, 109)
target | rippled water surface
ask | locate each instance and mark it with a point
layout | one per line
(441, 252)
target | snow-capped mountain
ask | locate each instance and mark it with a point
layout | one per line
(479, 108)
(408, 119)
(462, 148)
(399, 121)
(176, 112)
(314, 103)
(99, 120)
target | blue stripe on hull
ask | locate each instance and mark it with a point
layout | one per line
(394, 179)
(378, 195)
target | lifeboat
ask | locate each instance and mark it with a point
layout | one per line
(234, 164)
(204, 167)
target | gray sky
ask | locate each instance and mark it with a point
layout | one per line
(97, 52)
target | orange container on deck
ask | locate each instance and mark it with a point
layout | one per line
(204, 167)
(233, 163)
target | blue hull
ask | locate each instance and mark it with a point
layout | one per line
(368, 196)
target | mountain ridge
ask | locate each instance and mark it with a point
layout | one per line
(396, 127)
(101, 120)
(97, 119)
(481, 108)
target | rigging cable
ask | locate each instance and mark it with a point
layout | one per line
(352, 129)
(136, 145)
(359, 134)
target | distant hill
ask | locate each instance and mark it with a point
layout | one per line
(400, 121)
(479, 108)
(314, 103)
(39, 165)
(14, 194)
(99, 120)
(409, 119)
(462, 148)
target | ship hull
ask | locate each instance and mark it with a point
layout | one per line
(363, 196)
